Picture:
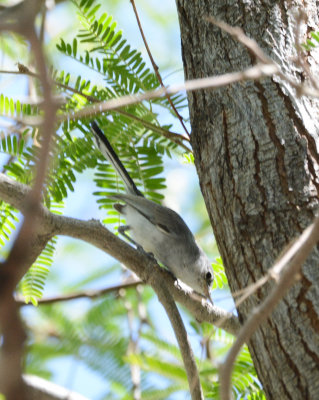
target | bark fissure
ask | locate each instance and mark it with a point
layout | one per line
(272, 131)
(311, 148)
(289, 360)
(302, 302)
(310, 357)
(234, 192)
(259, 184)
(286, 184)
(272, 358)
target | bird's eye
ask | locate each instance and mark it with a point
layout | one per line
(209, 277)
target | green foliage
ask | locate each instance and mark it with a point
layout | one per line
(220, 280)
(93, 337)
(310, 44)
(97, 337)
(124, 71)
(188, 158)
(9, 107)
(135, 132)
(33, 282)
(8, 220)
(165, 359)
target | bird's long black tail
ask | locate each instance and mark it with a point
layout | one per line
(107, 150)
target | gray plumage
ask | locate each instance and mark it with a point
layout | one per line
(158, 229)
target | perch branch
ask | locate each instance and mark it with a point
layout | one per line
(95, 233)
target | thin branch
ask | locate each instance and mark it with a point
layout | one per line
(256, 72)
(175, 137)
(133, 347)
(239, 35)
(41, 389)
(262, 58)
(167, 301)
(95, 233)
(285, 273)
(85, 294)
(156, 69)
(22, 243)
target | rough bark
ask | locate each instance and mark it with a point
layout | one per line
(255, 146)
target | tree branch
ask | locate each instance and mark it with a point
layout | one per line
(173, 136)
(166, 299)
(256, 72)
(85, 294)
(95, 233)
(133, 344)
(41, 389)
(146, 268)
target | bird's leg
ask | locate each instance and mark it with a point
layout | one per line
(123, 229)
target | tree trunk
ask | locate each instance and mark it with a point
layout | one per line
(255, 146)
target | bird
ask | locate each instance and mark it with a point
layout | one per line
(157, 229)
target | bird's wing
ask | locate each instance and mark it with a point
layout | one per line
(165, 219)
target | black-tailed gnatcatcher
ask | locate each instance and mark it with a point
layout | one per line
(158, 229)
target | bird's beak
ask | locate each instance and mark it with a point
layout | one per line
(207, 294)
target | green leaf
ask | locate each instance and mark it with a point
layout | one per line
(32, 284)
(75, 46)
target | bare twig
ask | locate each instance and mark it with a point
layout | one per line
(21, 244)
(256, 72)
(133, 346)
(156, 69)
(285, 273)
(88, 294)
(239, 35)
(165, 297)
(175, 137)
